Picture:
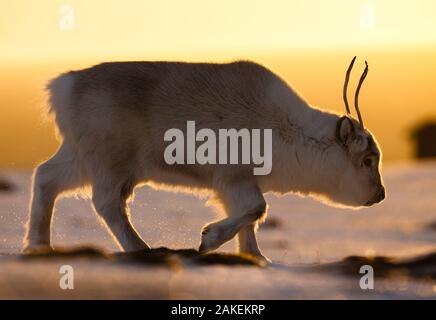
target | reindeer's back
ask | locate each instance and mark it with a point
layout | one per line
(160, 94)
(115, 114)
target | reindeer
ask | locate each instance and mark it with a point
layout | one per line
(112, 119)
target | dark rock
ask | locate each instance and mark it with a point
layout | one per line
(425, 140)
(432, 226)
(158, 256)
(6, 186)
(271, 223)
(422, 267)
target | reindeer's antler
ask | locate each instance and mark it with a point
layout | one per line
(356, 97)
(347, 78)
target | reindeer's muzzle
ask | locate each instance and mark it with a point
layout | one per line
(379, 197)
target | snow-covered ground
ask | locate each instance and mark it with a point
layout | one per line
(307, 234)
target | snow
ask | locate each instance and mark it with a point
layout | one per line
(308, 234)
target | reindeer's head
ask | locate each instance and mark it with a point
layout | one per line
(361, 183)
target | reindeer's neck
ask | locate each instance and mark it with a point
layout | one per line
(320, 164)
(306, 156)
(293, 115)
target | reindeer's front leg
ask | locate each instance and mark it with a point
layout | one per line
(245, 206)
(247, 240)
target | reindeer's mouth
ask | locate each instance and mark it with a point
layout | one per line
(379, 197)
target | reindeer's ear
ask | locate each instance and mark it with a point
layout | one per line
(345, 130)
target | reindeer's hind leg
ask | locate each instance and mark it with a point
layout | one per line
(58, 174)
(110, 202)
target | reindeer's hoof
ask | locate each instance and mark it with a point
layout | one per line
(264, 260)
(258, 256)
(211, 238)
(203, 248)
(208, 244)
(37, 249)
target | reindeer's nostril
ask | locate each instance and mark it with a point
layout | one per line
(380, 195)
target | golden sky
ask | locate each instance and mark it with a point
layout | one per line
(309, 43)
(32, 29)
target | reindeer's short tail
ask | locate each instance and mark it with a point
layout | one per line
(61, 102)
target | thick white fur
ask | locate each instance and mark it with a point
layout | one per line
(113, 116)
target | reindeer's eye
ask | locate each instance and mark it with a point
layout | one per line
(369, 161)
